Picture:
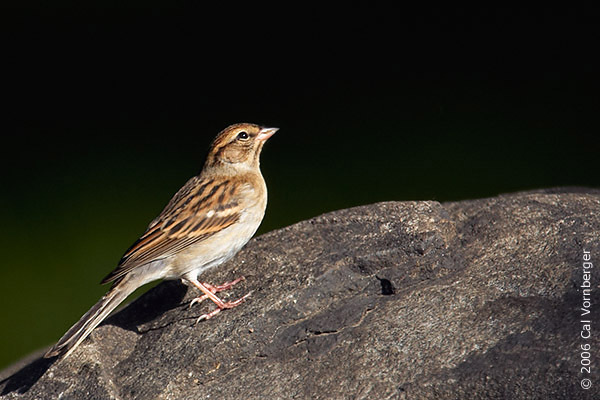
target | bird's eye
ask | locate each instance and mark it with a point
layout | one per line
(242, 135)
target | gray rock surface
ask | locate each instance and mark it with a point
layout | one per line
(472, 299)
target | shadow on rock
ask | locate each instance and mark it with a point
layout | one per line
(27, 376)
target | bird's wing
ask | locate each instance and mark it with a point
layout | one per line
(201, 208)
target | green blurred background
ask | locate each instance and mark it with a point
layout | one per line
(108, 112)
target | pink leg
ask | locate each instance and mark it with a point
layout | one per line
(214, 289)
(209, 293)
(225, 286)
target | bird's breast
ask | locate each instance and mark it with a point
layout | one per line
(219, 247)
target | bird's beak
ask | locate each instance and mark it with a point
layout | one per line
(266, 133)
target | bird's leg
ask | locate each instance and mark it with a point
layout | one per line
(225, 286)
(209, 293)
(214, 289)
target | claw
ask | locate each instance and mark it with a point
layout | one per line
(229, 304)
(215, 289)
(209, 293)
(198, 300)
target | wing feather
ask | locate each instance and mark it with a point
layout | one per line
(201, 208)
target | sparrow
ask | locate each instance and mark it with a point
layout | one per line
(205, 224)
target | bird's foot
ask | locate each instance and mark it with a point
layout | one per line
(215, 289)
(229, 304)
(209, 293)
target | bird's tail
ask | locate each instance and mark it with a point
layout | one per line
(91, 319)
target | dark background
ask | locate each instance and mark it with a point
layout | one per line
(109, 110)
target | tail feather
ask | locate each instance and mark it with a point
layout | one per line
(91, 319)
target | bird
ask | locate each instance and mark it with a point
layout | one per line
(204, 225)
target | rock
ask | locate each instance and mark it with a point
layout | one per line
(471, 299)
